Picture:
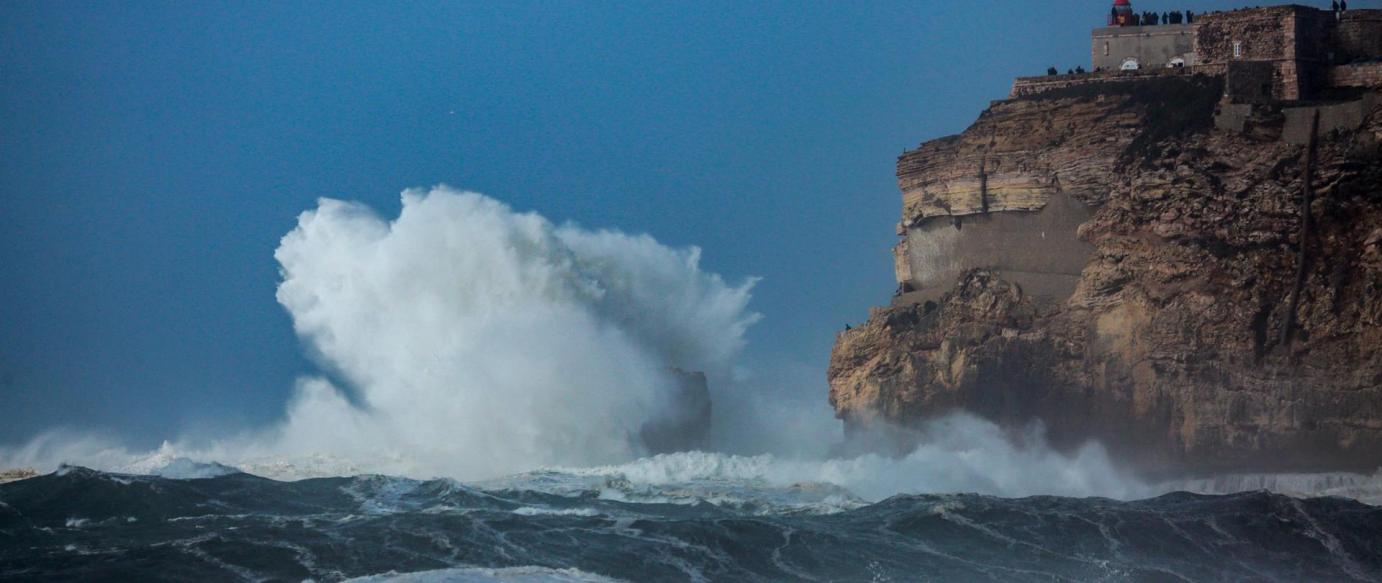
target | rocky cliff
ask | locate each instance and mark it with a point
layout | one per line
(1106, 260)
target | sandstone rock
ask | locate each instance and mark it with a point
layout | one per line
(1169, 346)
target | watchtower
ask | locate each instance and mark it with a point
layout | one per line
(1121, 15)
(1129, 44)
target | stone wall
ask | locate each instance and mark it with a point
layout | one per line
(1359, 75)
(1251, 82)
(1297, 40)
(1358, 36)
(1152, 46)
(1260, 34)
(1029, 86)
(1347, 116)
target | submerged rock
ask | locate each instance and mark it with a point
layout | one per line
(685, 421)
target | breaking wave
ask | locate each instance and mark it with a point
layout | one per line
(466, 340)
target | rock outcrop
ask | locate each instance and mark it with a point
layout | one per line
(686, 419)
(1105, 260)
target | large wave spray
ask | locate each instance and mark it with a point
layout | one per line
(479, 341)
(467, 340)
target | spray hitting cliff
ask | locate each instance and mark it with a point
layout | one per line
(1196, 284)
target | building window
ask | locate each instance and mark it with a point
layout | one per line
(1237, 49)
(1105, 48)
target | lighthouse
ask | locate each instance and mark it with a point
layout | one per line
(1121, 15)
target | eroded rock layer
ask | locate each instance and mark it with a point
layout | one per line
(1174, 340)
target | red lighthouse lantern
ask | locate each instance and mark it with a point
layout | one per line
(1121, 14)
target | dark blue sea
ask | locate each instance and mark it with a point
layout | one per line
(78, 524)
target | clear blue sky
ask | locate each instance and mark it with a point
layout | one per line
(153, 153)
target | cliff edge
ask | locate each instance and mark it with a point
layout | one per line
(1195, 284)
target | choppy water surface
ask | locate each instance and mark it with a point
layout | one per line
(81, 524)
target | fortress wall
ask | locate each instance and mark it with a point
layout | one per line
(1358, 75)
(1251, 81)
(1152, 46)
(1028, 86)
(1296, 40)
(1260, 33)
(1358, 36)
(1346, 116)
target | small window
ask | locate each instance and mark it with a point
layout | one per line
(1237, 49)
(1105, 48)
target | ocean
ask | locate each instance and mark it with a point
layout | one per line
(207, 522)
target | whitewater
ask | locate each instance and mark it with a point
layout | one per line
(466, 340)
(485, 377)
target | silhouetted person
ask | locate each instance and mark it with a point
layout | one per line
(1189, 17)
(1334, 5)
(1343, 5)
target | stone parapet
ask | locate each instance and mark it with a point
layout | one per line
(1028, 86)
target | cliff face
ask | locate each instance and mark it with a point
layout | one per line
(1104, 260)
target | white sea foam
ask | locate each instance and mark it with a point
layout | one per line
(542, 511)
(486, 575)
(1362, 487)
(482, 341)
(470, 341)
(961, 453)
